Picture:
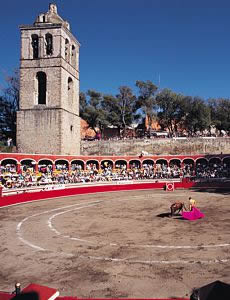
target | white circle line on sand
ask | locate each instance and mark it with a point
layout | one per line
(19, 225)
(150, 262)
(125, 245)
(127, 260)
(49, 222)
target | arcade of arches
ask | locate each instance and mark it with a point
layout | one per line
(70, 162)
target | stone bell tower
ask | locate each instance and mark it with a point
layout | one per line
(48, 118)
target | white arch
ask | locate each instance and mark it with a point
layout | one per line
(77, 160)
(226, 157)
(149, 159)
(92, 160)
(62, 160)
(215, 157)
(27, 159)
(188, 158)
(201, 158)
(162, 159)
(134, 160)
(121, 160)
(45, 159)
(10, 159)
(109, 160)
(174, 159)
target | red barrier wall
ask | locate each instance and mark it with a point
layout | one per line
(27, 197)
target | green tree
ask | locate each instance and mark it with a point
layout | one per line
(91, 110)
(9, 104)
(171, 110)
(220, 113)
(82, 104)
(198, 116)
(110, 105)
(147, 100)
(121, 110)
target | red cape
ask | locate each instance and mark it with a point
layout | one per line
(193, 215)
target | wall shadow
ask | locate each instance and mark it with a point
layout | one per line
(26, 296)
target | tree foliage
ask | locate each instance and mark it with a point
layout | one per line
(198, 117)
(82, 104)
(220, 113)
(147, 99)
(9, 104)
(171, 110)
(91, 109)
(121, 109)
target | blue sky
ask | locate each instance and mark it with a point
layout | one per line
(186, 42)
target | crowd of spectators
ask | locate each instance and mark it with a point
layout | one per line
(130, 134)
(26, 177)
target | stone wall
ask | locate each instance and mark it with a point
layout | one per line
(36, 131)
(166, 146)
(48, 120)
(48, 131)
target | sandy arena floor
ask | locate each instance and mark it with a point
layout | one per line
(117, 244)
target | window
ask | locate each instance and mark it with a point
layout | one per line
(41, 87)
(70, 89)
(35, 45)
(49, 44)
(70, 83)
(73, 59)
(67, 50)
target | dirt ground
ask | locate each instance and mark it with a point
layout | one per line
(117, 244)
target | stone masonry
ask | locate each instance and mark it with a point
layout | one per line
(48, 118)
(166, 146)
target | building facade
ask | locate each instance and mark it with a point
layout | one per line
(48, 118)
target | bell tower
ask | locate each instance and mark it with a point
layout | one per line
(48, 118)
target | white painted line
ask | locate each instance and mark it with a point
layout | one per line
(127, 260)
(125, 245)
(19, 225)
(25, 241)
(49, 222)
(184, 247)
(150, 262)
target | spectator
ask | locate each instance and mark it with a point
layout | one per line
(27, 177)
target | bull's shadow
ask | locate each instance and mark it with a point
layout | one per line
(164, 215)
(168, 215)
